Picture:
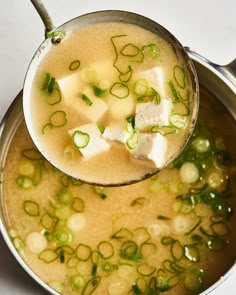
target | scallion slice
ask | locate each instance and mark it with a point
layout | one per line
(74, 65)
(179, 76)
(119, 90)
(31, 208)
(98, 91)
(86, 99)
(81, 139)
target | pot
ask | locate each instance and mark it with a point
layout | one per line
(218, 80)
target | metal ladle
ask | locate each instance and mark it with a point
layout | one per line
(88, 19)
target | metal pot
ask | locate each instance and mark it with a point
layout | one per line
(218, 80)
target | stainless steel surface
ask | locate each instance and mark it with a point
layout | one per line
(106, 17)
(209, 76)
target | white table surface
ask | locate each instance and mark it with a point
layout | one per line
(206, 26)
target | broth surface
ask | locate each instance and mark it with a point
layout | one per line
(162, 234)
(102, 72)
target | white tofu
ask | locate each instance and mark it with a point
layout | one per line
(71, 87)
(97, 144)
(152, 148)
(116, 133)
(149, 114)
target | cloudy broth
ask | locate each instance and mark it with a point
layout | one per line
(111, 95)
(168, 233)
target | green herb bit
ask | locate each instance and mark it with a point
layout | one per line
(161, 217)
(167, 241)
(31, 208)
(63, 236)
(74, 65)
(81, 139)
(191, 252)
(119, 90)
(185, 111)
(62, 256)
(177, 250)
(136, 290)
(131, 119)
(54, 97)
(145, 269)
(141, 201)
(86, 99)
(141, 87)
(98, 91)
(56, 34)
(116, 51)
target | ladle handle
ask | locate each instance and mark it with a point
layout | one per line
(43, 13)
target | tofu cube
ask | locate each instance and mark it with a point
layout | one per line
(96, 145)
(152, 148)
(149, 114)
(116, 133)
(71, 87)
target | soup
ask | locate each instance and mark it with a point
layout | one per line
(172, 233)
(111, 103)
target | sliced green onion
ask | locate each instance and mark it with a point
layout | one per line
(130, 50)
(49, 221)
(62, 236)
(174, 91)
(65, 196)
(119, 90)
(106, 249)
(163, 130)
(129, 251)
(133, 141)
(77, 282)
(125, 77)
(31, 208)
(74, 65)
(81, 139)
(32, 154)
(193, 282)
(78, 204)
(58, 119)
(54, 97)
(141, 87)
(83, 252)
(24, 182)
(151, 49)
(177, 250)
(147, 249)
(179, 76)
(145, 269)
(220, 228)
(178, 121)
(48, 255)
(122, 234)
(167, 241)
(86, 99)
(91, 285)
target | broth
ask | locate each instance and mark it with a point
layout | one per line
(166, 233)
(108, 96)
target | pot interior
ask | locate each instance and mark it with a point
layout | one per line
(161, 234)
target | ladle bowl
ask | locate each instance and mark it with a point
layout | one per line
(49, 44)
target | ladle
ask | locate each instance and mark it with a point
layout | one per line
(53, 40)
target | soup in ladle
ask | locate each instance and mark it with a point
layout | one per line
(111, 104)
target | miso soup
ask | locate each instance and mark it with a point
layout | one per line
(111, 103)
(173, 233)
